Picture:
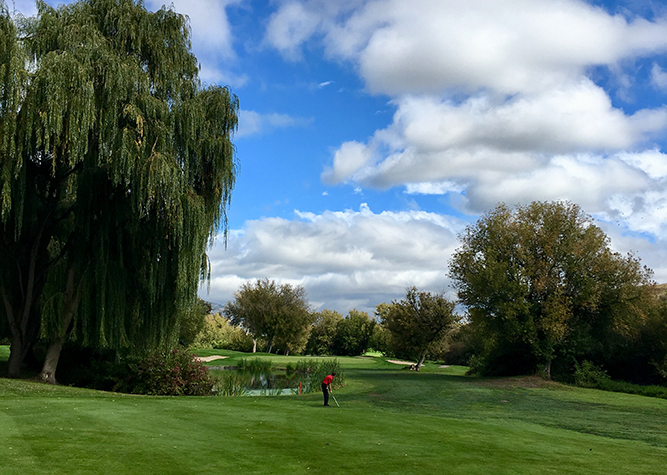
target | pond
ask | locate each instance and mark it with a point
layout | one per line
(240, 383)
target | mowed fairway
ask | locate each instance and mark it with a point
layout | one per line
(390, 421)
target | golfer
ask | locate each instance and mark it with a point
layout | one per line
(326, 387)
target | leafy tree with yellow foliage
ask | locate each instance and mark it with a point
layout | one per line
(541, 278)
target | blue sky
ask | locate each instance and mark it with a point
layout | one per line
(373, 131)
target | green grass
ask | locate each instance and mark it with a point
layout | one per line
(392, 421)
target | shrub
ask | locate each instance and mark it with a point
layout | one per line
(219, 333)
(587, 375)
(629, 388)
(168, 373)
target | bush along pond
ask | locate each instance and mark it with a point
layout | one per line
(259, 377)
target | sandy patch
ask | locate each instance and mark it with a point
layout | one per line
(444, 366)
(206, 359)
(400, 362)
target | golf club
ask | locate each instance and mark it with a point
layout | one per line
(334, 398)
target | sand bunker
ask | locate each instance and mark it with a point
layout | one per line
(206, 359)
(401, 362)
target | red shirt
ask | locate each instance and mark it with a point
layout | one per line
(328, 380)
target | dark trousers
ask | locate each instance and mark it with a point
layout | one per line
(325, 391)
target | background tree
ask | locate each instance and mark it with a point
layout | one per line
(116, 170)
(540, 280)
(381, 337)
(192, 322)
(219, 333)
(417, 323)
(277, 313)
(323, 332)
(353, 333)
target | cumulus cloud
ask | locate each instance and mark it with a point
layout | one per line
(425, 46)
(211, 31)
(343, 259)
(289, 27)
(255, 123)
(295, 22)
(494, 102)
(555, 146)
(658, 77)
(349, 158)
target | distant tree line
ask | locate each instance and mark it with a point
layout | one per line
(540, 290)
(276, 318)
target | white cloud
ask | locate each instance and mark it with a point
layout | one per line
(255, 123)
(358, 259)
(297, 21)
(343, 259)
(426, 46)
(543, 145)
(24, 7)
(350, 157)
(289, 27)
(658, 77)
(493, 102)
(209, 73)
(491, 98)
(211, 31)
(565, 119)
(426, 188)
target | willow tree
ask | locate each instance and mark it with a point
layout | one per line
(116, 172)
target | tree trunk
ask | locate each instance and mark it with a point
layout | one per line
(17, 354)
(254, 345)
(23, 330)
(421, 360)
(48, 373)
(22, 309)
(547, 370)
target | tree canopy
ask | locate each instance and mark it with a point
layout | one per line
(417, 322)
(116, 170)
(353, 333)
(323, 332)
(277, 313)
(541, 279)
